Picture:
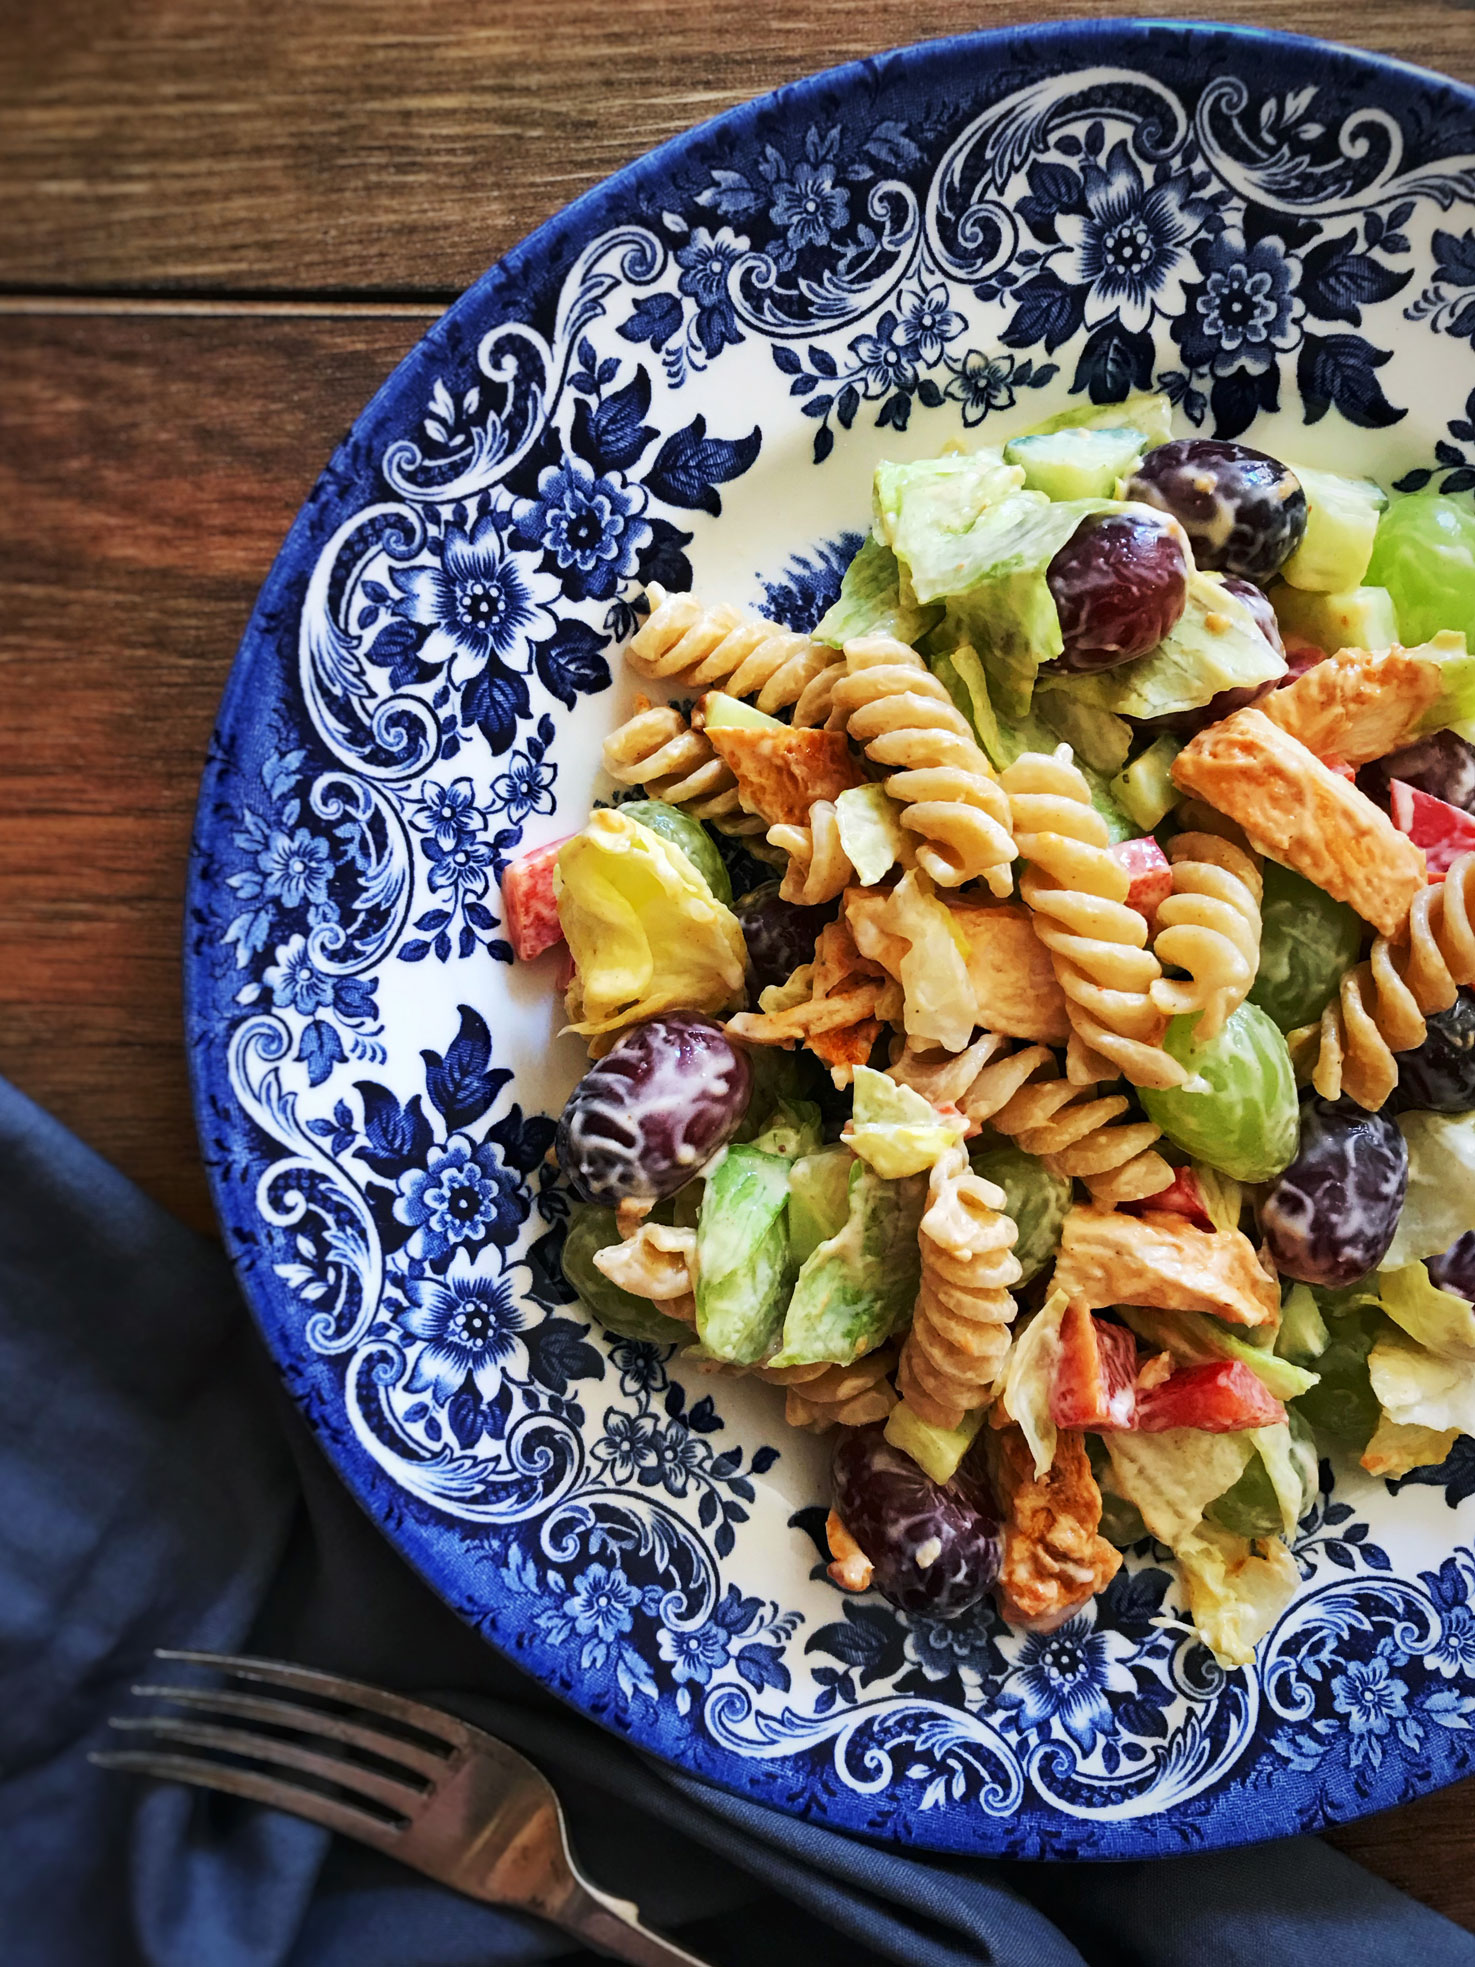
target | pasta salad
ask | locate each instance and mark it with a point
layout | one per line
(1031, 1015)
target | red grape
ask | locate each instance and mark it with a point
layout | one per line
(779, 934)
(936, 1547)
(646, 1117)
(1443, 765)
(1438, 1076)
(1330, 1217)
(1244, 512)
(1454, 1269)
(1119, 583)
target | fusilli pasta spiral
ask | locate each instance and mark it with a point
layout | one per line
(897, 711)
(656, 748)
(1208, 926)
(656, 1263)
(1078, 895)
(1023, 1097)
(680, 641)
(820, 1397)
(1382, 1004)
(819, 867)
(959, 1333)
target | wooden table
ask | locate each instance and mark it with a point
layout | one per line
(222, 226)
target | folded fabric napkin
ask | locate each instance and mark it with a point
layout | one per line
(157, 1490)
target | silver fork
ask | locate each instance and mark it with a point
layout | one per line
(438, 1794)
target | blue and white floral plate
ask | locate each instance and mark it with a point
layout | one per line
(687, 377)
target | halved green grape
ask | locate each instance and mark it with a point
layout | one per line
(1246, 1123)
(689, 835)
(1424, 555)
(1034, 1198)
(1307, 944)
(592, 1229)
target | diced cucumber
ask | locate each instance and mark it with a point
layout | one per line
(1359, 618)
(937, 1451)
(1147, 411)
(719, 710)
(1341, 523)
(1076, 464)
(1145, 788)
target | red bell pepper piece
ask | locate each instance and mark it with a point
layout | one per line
(1182, 1197)
(528, 904)
(1217, 1399)
(1095, 1373)
(1443, 831)
(1149, 873)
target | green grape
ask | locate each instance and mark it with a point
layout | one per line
(689, 835)
(1424, 554)
(1307, 943)
(621, 1312)
(1247, 1124)
(1036, 1199)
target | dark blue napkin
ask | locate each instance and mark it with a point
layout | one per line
(156, 1490)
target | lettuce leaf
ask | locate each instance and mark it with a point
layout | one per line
(1216, 645)
(1034, 1200)
(1396, 1449)
(1440, 1204)
(871, 601)
(1098, 736)
(1148, 411)
(858, 1287)
(870, 832)
(1236, 1589)
(1441, 1321)
(744, 1266)
(1029, 1376)
(819, 1198)
(895, 1129)
(911, 933)
(645, 931)
(1416, 1389)
(794, 1127)
(1172, 1477)
(921, 509)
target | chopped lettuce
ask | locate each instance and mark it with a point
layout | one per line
(1215, 645)
(870, 831)
(1172, 1477)
(1029, 1376)
(913, 935)
(744, 1265)
(1342, 1405)
(645, 931)
(960, 671)
(922, 508)
(1196, 1339)
(819, 1198)
(1035, 1201)
(779, 1079)
(895, 1129)
(1442, 1321)
(1236, 1589)
(998, 598)
(858, 1287)
(1440, 1204)
(1416, 1389)
(794, 1127)
(937, 1451)
(1097, 736)
(1223, 1197)
(1396, 1449)
(871, 602)
(1303, 1334)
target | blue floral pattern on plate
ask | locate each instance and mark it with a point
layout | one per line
(686, 378)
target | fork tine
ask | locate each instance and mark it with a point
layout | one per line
(426, 1762)
(400, 1797)
(329, 1687)
(256, 1787)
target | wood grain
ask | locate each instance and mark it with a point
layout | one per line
(269, 173)
(402, 145)
(148, 470)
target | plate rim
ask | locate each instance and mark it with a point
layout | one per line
(1036, 43)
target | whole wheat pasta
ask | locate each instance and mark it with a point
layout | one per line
(896, 710)
(681, 641)
(959, 1336)
(1077, 1131)
(657, 749)
(1078, 894)
(1381, 1006)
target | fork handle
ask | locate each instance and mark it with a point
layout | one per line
(612, 1926)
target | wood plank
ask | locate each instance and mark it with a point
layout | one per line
(401, 146)
(1423, 1848)
(148, 470)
